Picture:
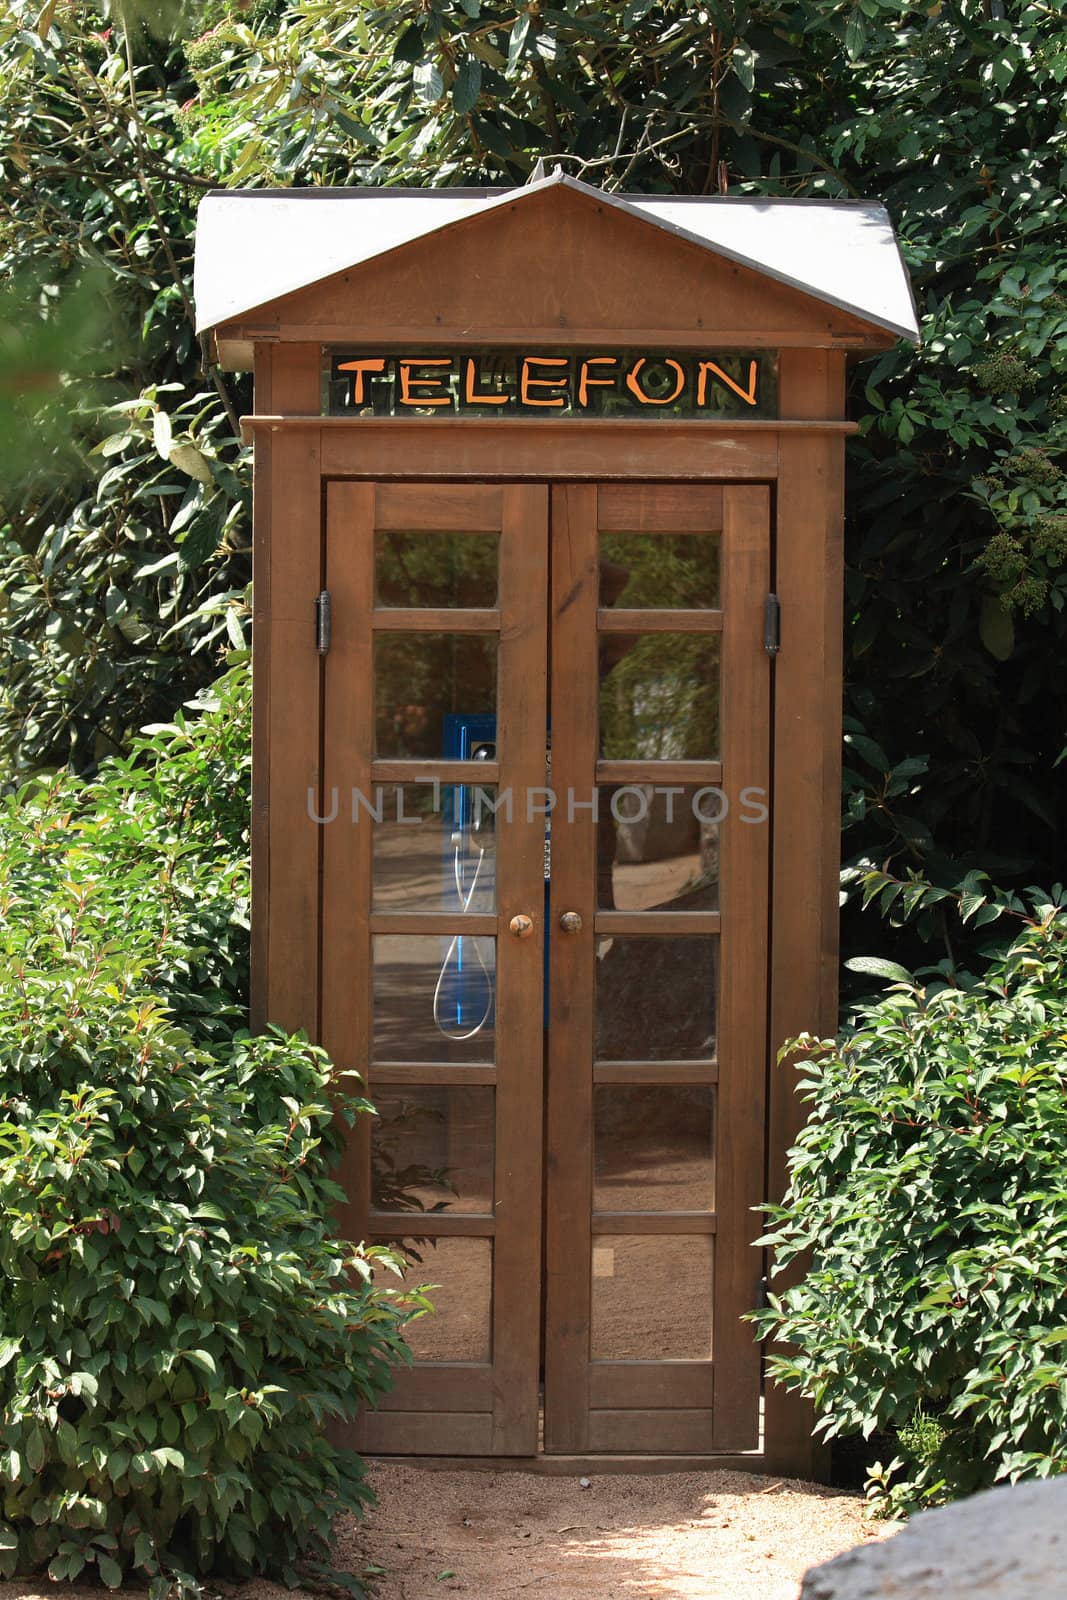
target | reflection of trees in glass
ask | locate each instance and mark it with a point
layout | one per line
(420, 678)
(431, 1151)
(660, 569)
(436, 569)
(659, 697)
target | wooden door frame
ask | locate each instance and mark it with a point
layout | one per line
(801, 456)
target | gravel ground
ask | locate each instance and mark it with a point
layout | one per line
(502, 1535)
(675, 1536)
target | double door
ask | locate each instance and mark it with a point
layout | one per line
(544, 930)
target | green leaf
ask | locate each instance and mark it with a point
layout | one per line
(996, 628)
(204, 1360)
(110, 1571)
(429, 85)
(466, 88)
(877, 967)
(517, 44)
(162, 434)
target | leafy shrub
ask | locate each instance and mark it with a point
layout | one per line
(177, 1325)
(930, 1185)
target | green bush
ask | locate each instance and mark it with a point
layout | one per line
(177, 1325)
(930, 1185)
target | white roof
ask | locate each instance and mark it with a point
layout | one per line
(255, 245)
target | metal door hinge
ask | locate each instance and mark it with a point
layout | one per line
(322, 622)
(772, 625)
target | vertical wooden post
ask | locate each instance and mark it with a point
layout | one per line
(287, 862)
(807, 791)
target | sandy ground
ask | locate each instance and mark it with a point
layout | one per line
(676, 1536)
(498, 1535)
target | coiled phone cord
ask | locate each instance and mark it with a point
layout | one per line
(465, 898)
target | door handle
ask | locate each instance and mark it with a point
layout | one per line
(521, 926)
(570, 922)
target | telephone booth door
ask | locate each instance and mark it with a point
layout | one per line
(544, 926)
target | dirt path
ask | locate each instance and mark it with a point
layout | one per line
(679, 1536)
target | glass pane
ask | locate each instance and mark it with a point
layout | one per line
(651, 1297)
(659, 696)
(656, 998)
(434, 695)
(434, 848)
(432, 1148)
(674, 570)
(654, 1147)
(435, 569)
(459, 1327)
(658, 847)
(433, 998)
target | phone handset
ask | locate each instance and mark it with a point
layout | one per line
(472, 838)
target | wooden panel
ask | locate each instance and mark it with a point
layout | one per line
(656, 1072)
(430, 1072)
(744, 868)
(618, 1385)
(682, 1431)
(593, 450)
(574, 1466)
(520, 739)
(467, 508)
(293, 689)
(428, 619)
(260, 822)
(348, 743)
(427, 1433)
(418, 1388)
(614, 620)
(653, 922)
(431, 1225)
(431, 922)
(575, 581)
(655, 1222)
(707, 772)
(483, 772)
(660, 508)
(806, 798)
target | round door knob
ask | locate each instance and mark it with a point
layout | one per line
(521, 926)
(570, 922)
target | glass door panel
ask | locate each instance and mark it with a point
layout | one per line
(435, 706)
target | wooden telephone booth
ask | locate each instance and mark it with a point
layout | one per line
(547, 681)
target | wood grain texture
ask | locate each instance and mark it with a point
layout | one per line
(261, 618)
(575, 584)
(670, 1385)
(744, 869)
(807, 796)
(293, 694)
(491, 450)
(521, 720)
(349, 732)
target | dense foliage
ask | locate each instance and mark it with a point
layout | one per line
(928, 1186)
(177, 1323)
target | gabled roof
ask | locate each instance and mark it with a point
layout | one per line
(255, 245)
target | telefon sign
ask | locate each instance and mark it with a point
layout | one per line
(501, 382)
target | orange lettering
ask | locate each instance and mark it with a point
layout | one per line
(528, 382)
(653, 400)
(473, 399)
(748, 395)
(410, 381)
(585, 382)
(357, 369)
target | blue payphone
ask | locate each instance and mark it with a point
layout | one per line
(465, 994)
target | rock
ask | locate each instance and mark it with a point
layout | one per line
(1003, 1544)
